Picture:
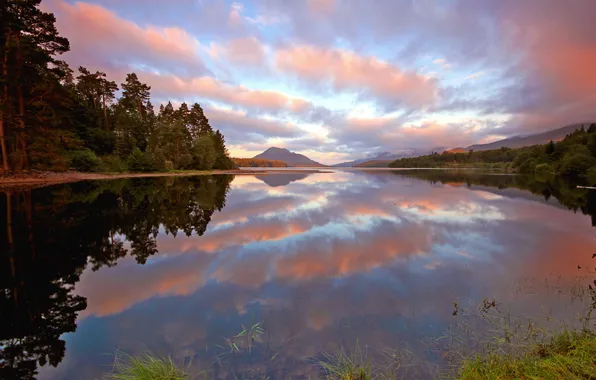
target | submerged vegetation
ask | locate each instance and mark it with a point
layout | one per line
(52, 118)
(573, 158)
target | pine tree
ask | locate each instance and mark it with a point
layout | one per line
(135, 93)
(29, 41)
(198, 124)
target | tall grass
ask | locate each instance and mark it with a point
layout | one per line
(145, 366)
(568, 356)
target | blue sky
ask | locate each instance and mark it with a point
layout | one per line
(342, 79)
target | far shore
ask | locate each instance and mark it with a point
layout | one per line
(52, 178)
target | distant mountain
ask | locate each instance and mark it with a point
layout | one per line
(379, 158)
(522, 141)
(290, 158)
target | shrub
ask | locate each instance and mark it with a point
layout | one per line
(528, 166)
(113, 163)
(144, 162)
(543, 169)
(576, 165)
(85, 160)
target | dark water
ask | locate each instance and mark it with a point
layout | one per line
(321, 261)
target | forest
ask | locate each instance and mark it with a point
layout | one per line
(55, 118)
(573, 157)
(259, 163)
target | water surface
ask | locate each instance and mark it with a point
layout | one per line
(177, 266)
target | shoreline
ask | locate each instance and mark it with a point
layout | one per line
(46, 178)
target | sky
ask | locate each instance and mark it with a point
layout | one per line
(344, 79)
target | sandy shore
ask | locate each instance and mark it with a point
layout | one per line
(51, 178)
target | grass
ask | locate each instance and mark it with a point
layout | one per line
(568, 356)
(344, 366)
(145, 366)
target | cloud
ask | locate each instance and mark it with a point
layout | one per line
(108, 40)
(368, 75)
(458, 72)
(236, 125)
(242, 51)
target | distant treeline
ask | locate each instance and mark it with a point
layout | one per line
(259, 163)
(52, 118)
(373, 164)
(574, 156)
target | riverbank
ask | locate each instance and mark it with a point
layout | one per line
(53, 178)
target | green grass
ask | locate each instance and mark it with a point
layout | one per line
(145, 366)
(568, 356)
(344, 366)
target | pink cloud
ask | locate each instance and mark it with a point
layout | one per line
(349, 71)
(321, 6)
(211, 88)
(98, 36)
(246, 50)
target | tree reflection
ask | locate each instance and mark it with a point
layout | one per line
(566, 193)
(50, 236)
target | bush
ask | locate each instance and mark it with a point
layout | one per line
(592, 175)
(113, 164)
(144, 162)
(528, 166)
(543, 169)
(85, 161)
(576, 165)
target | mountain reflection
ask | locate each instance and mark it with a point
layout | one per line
(53, 233)
(321, 259)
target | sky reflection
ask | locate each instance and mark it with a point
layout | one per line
(330, 258)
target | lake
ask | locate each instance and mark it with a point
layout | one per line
(364, 261)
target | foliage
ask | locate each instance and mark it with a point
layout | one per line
(146, 367)
(573, 158)
(49, 114)
(258, 163)
(113, 164)
(144, 162)
(84, 160)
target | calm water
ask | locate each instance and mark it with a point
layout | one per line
(322, 261)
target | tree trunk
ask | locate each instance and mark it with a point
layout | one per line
(105, 112)
(139, 106)
(3, 103)
(21, 137)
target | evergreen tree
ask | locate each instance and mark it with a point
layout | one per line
(198, 124)
(135, 94)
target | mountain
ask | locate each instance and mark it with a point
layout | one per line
(290, 158)
(380, 158)
(522, 141)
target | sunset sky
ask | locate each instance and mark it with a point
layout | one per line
(341, 79)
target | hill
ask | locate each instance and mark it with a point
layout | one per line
(284, 155)
(523, 141)
(388, 156)
(374, 164)
(573, 157)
